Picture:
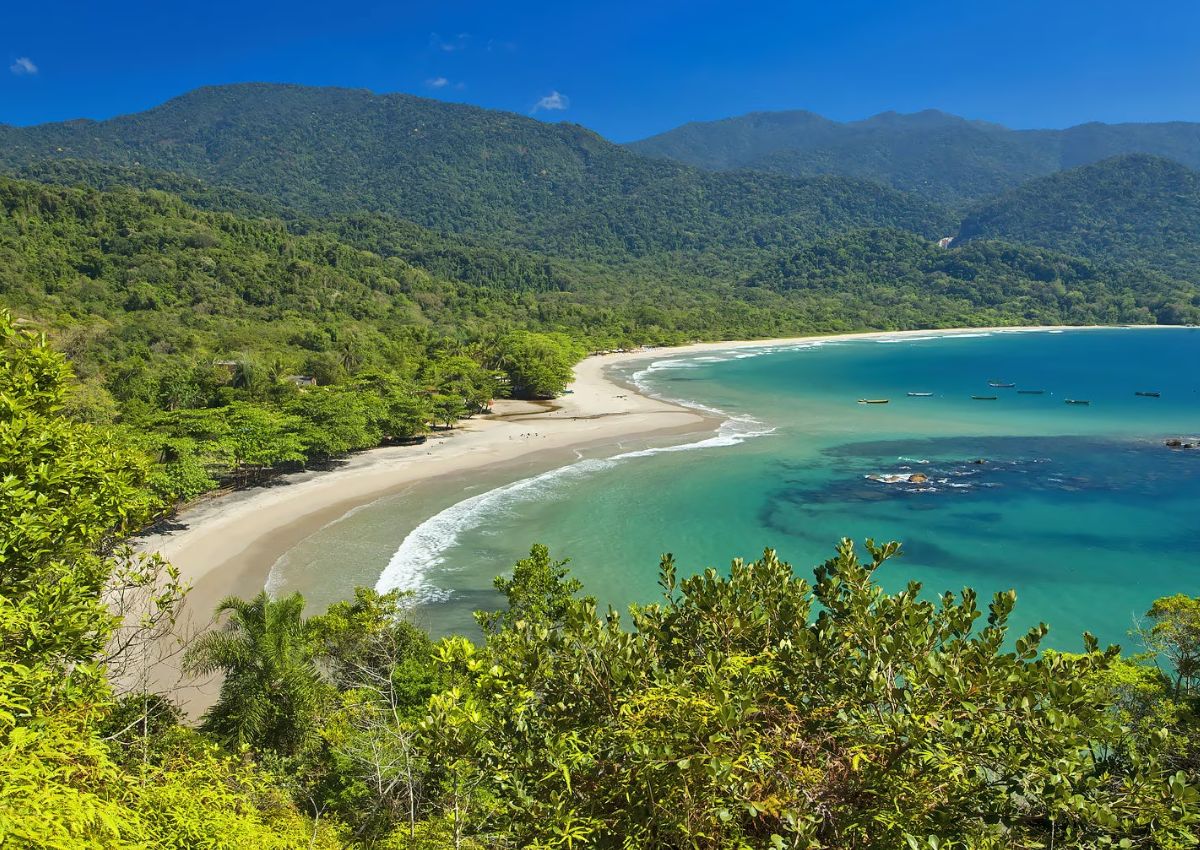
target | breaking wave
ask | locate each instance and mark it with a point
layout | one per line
(423, 550)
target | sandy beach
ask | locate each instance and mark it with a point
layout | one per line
(228, 544)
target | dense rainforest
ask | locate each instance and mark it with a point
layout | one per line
(253, 278)
(1135, 209)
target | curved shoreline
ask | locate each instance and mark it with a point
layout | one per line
(233, 540)
(228, 545)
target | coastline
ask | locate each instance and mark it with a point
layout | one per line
(228, 545)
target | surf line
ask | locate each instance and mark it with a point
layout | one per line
(424, 548)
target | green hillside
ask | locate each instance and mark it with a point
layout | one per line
(943, 157)
(906, 277)
(461, 169)
(447, 256)
(1135, 208)
(183, 324)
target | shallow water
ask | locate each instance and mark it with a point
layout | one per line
(1081, 509)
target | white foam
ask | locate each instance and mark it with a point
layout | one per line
(888, 340)
(423, 549)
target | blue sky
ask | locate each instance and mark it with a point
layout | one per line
(624, 69)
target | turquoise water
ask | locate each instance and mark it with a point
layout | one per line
(1080, 509)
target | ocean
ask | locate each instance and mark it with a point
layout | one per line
(1081, 509)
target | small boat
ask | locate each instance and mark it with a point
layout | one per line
(873, 401)
(919, 395)
(1148, 394)
(1031, 392)
(985, 397)
(1077, 401)
(1000, 385)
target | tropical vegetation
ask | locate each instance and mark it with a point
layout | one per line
(752, 708)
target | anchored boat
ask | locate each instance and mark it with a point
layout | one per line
(1148, 394)
(985, 397)
(1077, 401)
(920, 395)
(1001, 385)
(873, 401)
(1031, 392)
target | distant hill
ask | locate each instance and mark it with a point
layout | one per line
(901, 276)
(461, 169)
(472, 221)
(128, 275)
(943, 157)
(445, 256)
(1133, 208)
(132, 279)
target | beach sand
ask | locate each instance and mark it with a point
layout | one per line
(228, 544)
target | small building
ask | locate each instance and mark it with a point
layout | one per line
(301, 380)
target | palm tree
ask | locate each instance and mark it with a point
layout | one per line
(271, 692)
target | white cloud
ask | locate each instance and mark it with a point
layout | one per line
(23, 66)
(437, 82)
(554, 100)
(449, 45)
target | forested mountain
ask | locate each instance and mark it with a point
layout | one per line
(1133, 208)
(461, 169)
(483, 265)
(190, 327)
(906, 277)
(946, 158)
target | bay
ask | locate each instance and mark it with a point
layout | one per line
(1081, 509)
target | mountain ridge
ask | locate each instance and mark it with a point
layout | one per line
(947, 158)
(462, 169)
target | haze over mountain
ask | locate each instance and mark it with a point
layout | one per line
(943, 157)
